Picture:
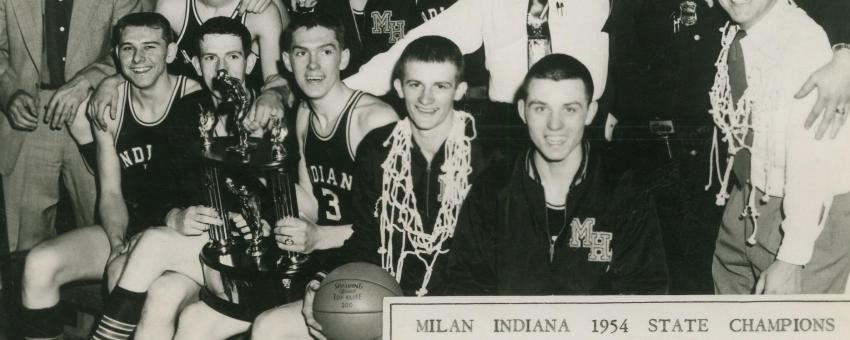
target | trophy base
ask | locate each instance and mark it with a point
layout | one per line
(242, 286)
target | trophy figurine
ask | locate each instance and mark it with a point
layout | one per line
(245, 273)
(207, 122)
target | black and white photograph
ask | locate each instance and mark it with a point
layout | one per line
(424, 169)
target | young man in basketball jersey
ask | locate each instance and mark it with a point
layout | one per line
(330, 123)
(136, 185)
(434, 152)
(223, 44)
(557, 220)
(186, 18)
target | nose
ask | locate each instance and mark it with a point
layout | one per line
(555, 122)
(427, 96)
(138, 56)
(313, 63)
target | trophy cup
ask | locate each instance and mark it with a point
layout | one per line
(245, 273)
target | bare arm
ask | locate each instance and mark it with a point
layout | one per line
(111, 206)
(173, 10)
(376, 114)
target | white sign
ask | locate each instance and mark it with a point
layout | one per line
(618, 317)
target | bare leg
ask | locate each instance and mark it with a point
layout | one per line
(284, 322)
(159, 250)
(167, 296)
(79, 254)
(155, 252)
(199, 321)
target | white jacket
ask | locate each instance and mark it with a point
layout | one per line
(500, 25)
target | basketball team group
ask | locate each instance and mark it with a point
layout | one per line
(467, 147)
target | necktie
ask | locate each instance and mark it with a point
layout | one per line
(737, 69)
(737, 84)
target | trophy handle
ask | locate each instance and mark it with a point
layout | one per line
(286, 205)
(220, 238)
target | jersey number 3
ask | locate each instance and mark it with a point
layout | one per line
(332, 213)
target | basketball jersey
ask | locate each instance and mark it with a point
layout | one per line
(143, 154)
(330, 166)
(186, 45)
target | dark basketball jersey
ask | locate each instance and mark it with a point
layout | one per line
(187, 45)
(143, 155)
(330, 166)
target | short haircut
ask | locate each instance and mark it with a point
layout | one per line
(224, 26)
(311, 20)
(557, 67)
(143, 19)
(430, 49)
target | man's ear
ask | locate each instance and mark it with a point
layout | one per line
(286, 63)
(344, 58)
(170, 52)
(520, 107)
(460, 90)
(591, 112)
(251, 61)
(397, 86)
(197, 64)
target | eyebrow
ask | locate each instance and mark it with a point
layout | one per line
(537, 101)
(146, 42)
(319, 47)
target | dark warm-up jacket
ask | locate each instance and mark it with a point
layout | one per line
(611, 243)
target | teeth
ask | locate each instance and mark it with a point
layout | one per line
(556, 140)
(140, 70)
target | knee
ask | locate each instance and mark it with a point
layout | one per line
(152, 246)
(165, 297)
(279, 323)
(193, 319)
(42, 267)
(264, 327)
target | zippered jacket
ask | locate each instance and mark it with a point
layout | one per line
(610, 244)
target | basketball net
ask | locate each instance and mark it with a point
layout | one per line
(396, 208)
(733, 123)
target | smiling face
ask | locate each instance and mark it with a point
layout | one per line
(429, 91)
(143, 54)
(747, 12)
(556, 112)
(315, 59)
(222, 52)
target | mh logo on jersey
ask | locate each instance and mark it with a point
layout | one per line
(136, 155)
(383, 23)
(583, 236)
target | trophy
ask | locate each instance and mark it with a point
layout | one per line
(245, 273)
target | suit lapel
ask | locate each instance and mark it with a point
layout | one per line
(81, 16)
(30, 22)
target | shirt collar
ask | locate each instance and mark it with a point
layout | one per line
(579, 176)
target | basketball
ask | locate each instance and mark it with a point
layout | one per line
(349, 303)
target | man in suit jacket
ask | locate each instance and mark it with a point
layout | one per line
(52, 52)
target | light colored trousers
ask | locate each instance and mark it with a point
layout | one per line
(31, 191)
(737, 265)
